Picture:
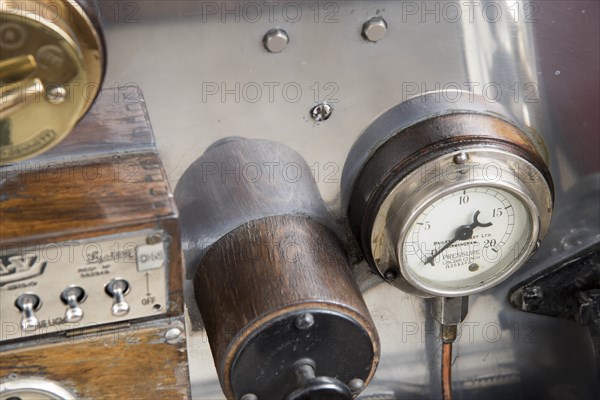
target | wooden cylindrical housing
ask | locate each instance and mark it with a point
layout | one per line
(269, 271)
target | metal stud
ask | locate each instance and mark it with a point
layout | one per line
(276, 40)
(173, 335)
(374, 29)
(356, 385)
(473, 267)
(461, 158)
(390, 275)
(305, 321)
(56, 95)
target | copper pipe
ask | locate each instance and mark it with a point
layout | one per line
(447, 371)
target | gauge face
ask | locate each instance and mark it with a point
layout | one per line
(466, 238)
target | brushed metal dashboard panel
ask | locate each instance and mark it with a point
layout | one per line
(205, 75)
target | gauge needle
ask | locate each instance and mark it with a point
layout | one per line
(464, 232)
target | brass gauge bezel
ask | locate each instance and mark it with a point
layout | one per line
(51, 78)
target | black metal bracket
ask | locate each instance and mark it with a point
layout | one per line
(570, 290)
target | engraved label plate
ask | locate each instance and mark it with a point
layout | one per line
(46, 270)
(151, 256)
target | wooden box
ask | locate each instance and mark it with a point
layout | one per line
(104, 185)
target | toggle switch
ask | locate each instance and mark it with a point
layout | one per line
(72, 297)
(118, 289)
(28, 303)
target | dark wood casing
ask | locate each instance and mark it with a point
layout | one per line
(268, 268)
(105, 178)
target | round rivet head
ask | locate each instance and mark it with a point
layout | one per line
(305, 321)
(173, 335)
(249, 396)
(154, 238)
(461, 158)
(56, 95)
(356, 385)
(473, 267)
(374, 29)
(390, 275)
(276, 40)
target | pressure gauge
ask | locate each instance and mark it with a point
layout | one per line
(466, 226)
(452, 205)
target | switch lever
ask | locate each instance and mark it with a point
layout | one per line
(28, 303)
(72, 297)
(118, 289)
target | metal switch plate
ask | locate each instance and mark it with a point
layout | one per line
(47, 270)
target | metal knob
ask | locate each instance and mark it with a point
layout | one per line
(72, 297)
(118, 289)
(28, 304)
(311, 387)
